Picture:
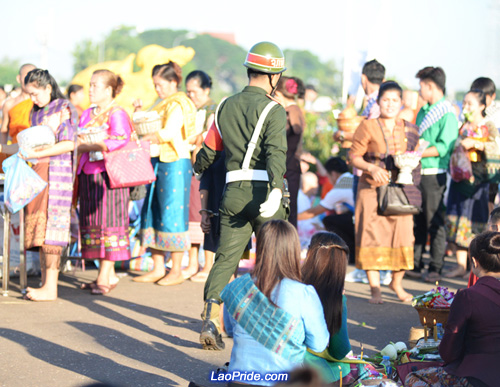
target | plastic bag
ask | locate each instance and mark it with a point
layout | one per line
(460, 165)
(22, 184)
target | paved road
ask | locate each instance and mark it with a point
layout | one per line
(147, 335)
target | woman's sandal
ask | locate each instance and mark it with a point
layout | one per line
(100, 290)
(93, 284)
(88, 286)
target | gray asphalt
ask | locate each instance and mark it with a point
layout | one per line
(147, 335)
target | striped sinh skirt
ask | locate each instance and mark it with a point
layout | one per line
(103, 218)
(165, 213)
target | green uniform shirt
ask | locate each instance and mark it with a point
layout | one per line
(442, 135)
(237, 119)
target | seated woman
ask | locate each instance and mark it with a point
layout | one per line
(470, 346)
(274, 316)
(325, 269)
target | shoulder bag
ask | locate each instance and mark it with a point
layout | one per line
(130, 166)
(391, 198)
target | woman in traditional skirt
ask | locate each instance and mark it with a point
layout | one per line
(198, 86)
(47, 219)
(165, 214)
(383, 242)
(467, 207)
(103, 211)
(288, 91)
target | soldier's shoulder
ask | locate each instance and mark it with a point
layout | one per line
(269, 96)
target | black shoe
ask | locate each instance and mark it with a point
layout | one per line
(210, 338)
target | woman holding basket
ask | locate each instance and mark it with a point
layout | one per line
(165, 214)
(47, 219)
(467, 207)
(103, 211)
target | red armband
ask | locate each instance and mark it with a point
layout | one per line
(214, 138)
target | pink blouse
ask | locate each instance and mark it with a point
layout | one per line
(119, 131)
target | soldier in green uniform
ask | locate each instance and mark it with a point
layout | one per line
(250, 127)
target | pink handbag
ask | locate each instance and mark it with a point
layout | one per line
(130, 166)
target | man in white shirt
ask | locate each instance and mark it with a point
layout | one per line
(340, 200)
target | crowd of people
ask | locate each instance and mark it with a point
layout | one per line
(225, 171)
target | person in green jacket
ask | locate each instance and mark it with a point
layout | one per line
(255, 165)
(438, 125)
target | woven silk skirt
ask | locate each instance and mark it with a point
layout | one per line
(165, 213)
(35, 216)
(466, 217)
(103, 218)
(382, 242)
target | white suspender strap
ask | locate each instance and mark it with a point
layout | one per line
(255, 135)
(216, 115)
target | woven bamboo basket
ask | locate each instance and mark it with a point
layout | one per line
(431, 314)
(94, 136)
(147, 126)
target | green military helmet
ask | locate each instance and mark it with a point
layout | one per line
(266, 57)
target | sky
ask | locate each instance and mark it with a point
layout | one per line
(461, 36)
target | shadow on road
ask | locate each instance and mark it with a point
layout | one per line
(91, 365)
(154, 354)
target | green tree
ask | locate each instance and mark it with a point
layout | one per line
(307, 66)
(121, 42)
(163, 37)
(318, 135)
(9, 68)
(85, 54)
(222, 60)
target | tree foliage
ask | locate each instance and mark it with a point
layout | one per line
(307, 66)
(223, 61)
(220, 59)
(9, 69)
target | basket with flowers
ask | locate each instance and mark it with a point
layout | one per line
(434, 305)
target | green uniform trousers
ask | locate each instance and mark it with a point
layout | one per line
(239, 217)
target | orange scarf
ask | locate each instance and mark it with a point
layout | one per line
(19, 118)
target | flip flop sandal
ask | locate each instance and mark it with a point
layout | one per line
(100, 290)
(92, 285)
(89, 285)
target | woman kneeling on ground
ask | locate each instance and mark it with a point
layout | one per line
(270, 301)
(470, 346)
(325, 268)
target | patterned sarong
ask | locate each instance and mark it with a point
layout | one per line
(61, 173)
(165, 213)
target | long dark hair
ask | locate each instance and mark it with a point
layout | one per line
(325, 269)
(41, 78)
(277, 255)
